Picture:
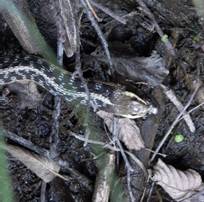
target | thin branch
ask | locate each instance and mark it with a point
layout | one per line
(138, 162)
(132, 198)
(174, 123)
(81, 138)
(108, 146)
(93, 11)
(109, 12)
(79, 72)
(115, 136)
(150, 192)
(99, 32)
(145, 189)
(127, 163)
(193, 109)
(54, 136)
(172, 97)
(45, 153)
(26, 143)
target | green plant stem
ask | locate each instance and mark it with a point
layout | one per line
(105, 171)
(6, 194)
(25, 29)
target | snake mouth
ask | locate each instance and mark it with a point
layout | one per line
(129, 105)
(141, 112)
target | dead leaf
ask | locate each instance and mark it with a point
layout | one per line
(67, 24)
(126, 129)
(178, 184)
(197, 197)
(27, 93)
(44, 168)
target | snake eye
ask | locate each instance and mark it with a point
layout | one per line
(153, 110)
(134, 106)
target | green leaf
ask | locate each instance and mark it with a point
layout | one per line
(179, 138)
(164, 38)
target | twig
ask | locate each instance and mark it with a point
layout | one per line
(151, 151)
(127, 163)
(109, 12)
(150, 192)
(92, 10)
(54, 137)
(145, 189)
(99, 32)
(172, 97)
(132, 198)
(175, 122)
(108, 146)
(138, 162)
(81, 138)
(26, 143)
(43, 191)
(193, 109)
(79, 72)
(45, 153)
(167, 43)
(115, 136)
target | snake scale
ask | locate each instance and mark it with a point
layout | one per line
(59, 82)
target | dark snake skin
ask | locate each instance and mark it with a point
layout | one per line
(59, 82)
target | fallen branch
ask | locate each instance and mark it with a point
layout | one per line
(103, 180)
(172, 97)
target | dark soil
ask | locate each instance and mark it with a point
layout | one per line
(179, 20)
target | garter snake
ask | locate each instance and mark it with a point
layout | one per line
(59, 82)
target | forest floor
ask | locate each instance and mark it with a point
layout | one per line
(180, 49)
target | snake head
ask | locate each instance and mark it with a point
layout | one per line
(129, 105)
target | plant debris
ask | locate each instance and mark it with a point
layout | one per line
(142, 58)
(46, 169)
(178, 184)
(125, 129)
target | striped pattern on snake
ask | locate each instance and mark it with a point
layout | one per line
(59, 82)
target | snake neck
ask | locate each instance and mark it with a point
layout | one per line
(52, 78)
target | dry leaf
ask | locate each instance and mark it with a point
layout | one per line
(44, 168)
(178, 184)
(126, 129)
(27, 93)
(67, 24)
(150, 70)
(197, 197)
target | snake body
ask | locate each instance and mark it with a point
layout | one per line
(59, 82)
